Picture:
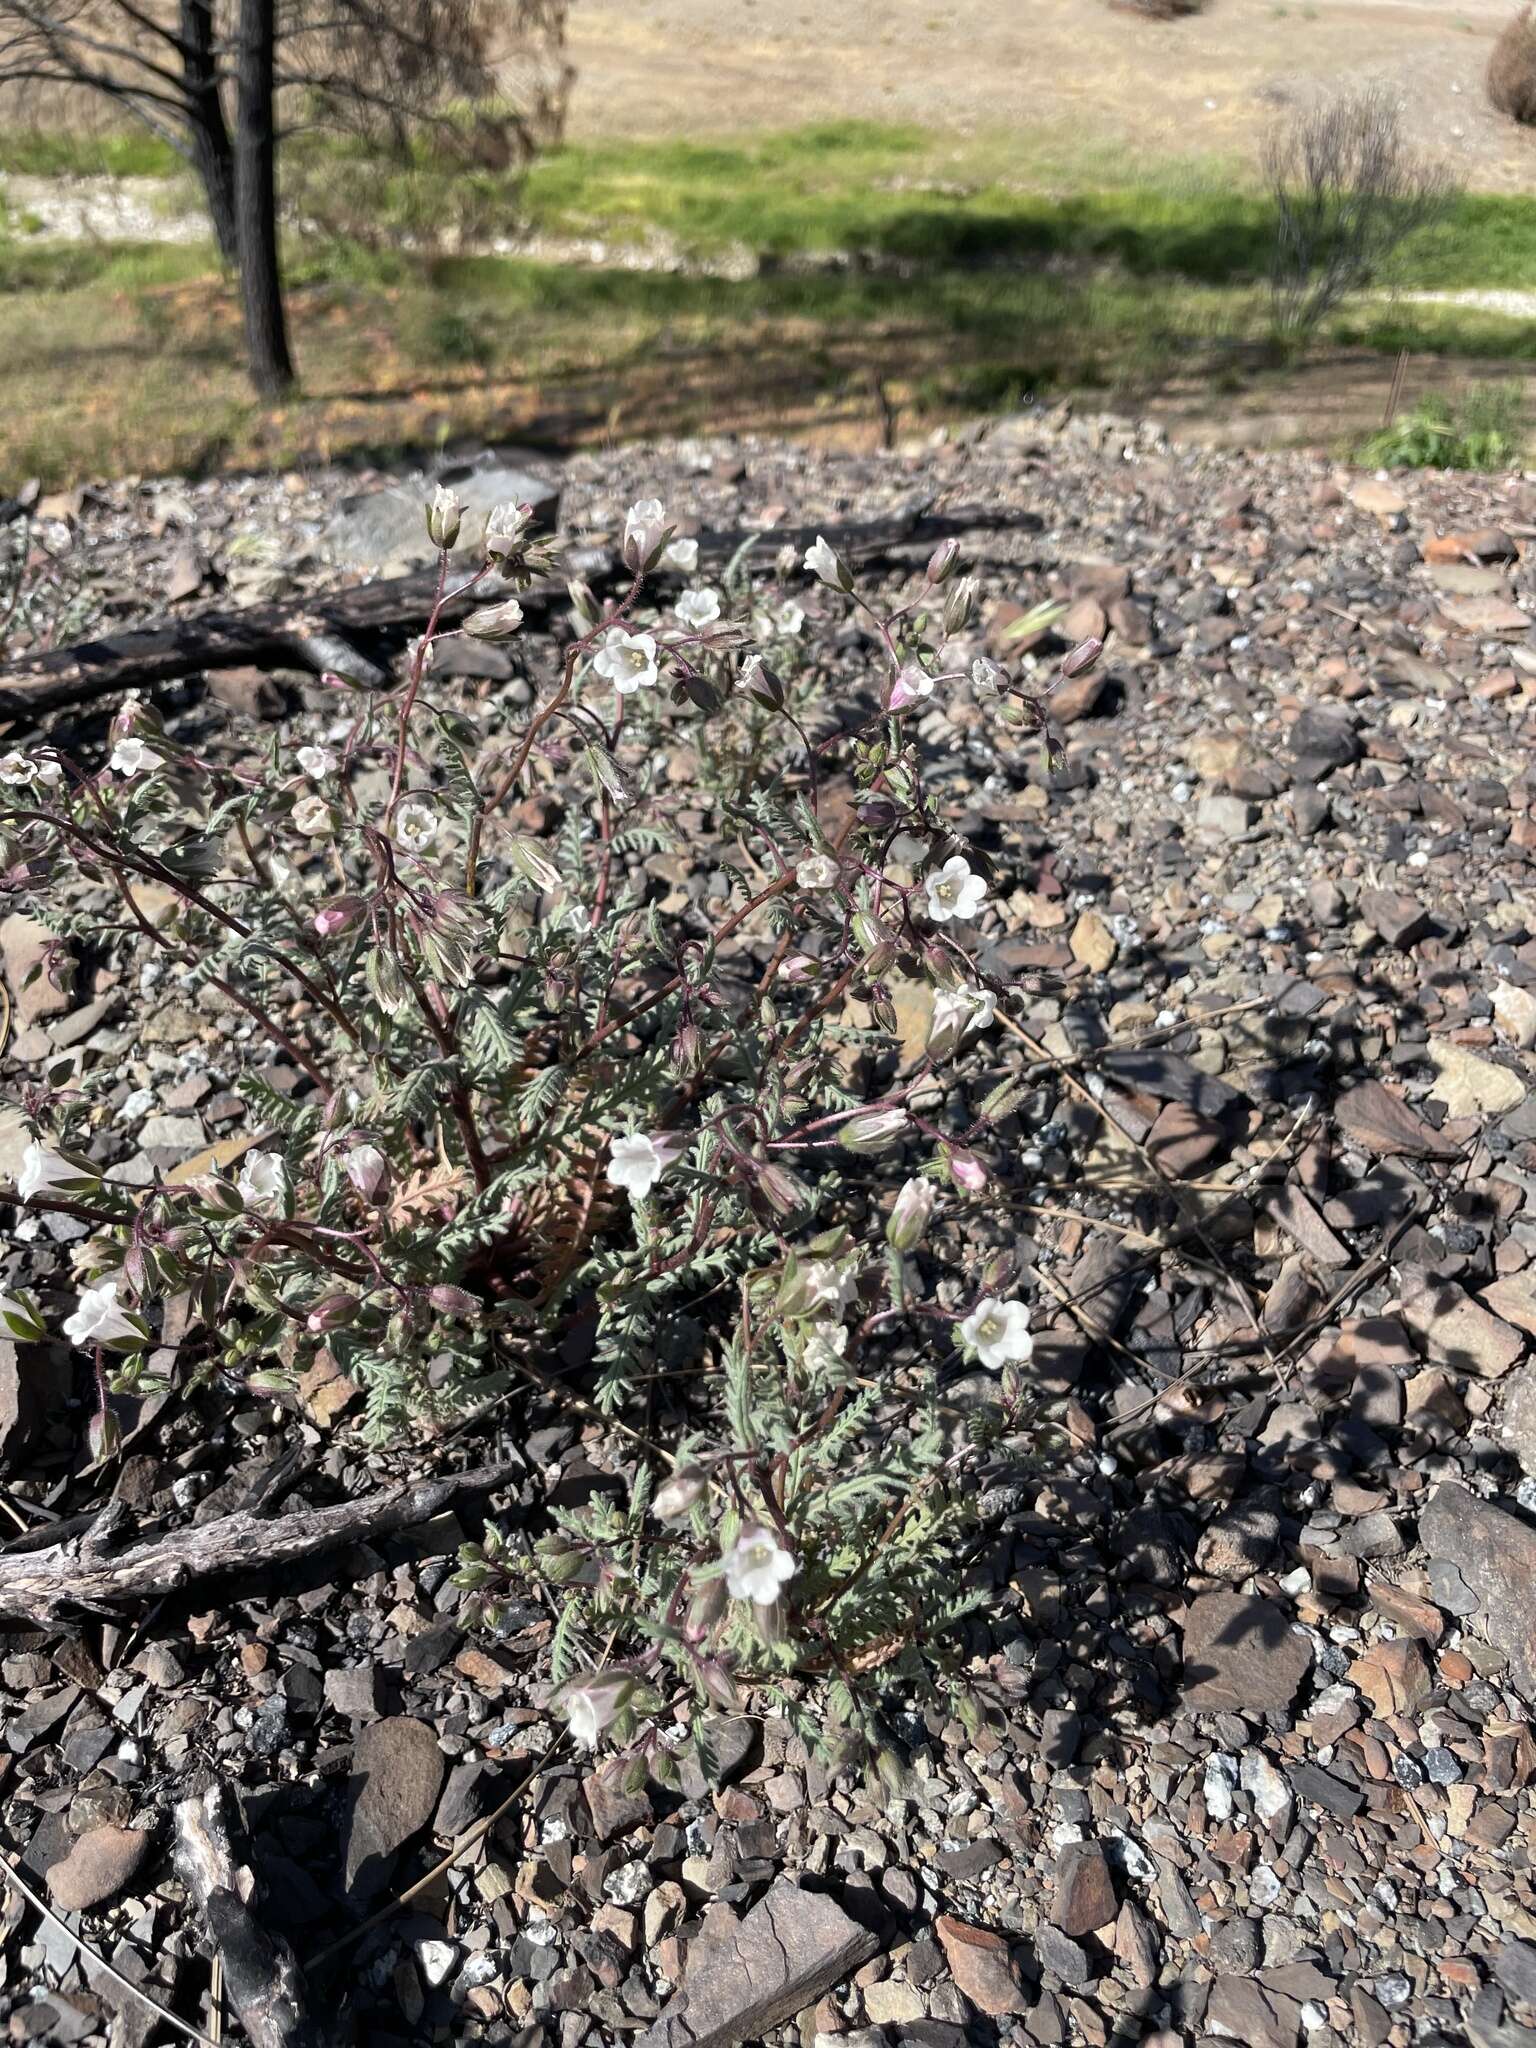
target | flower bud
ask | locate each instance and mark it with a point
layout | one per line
(798, 967)
(103, 1434)
(1081, 659)
(775, 1192)
(583, 603)
(495, 621)
(219, 1195)
(965, 1168)
(959, 607)
(331, 1312)
(338, 915)
(718, 1684)
(908, 1220)
(758, 681)
(943, 562)
(874, 941)
(453, 1301)
(823, 561)
(533, 864)
(708, 1606)
(874, 1130)
(680, 1494)
(445, 515)
(368, 1170)
(688, 1049)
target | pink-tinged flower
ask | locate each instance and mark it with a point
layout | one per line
(98, 1319)
(367, 1169)
(336, 917)
(965, 1169)
(627, 660)
(698, 609)
(317, 762)
(998, 1332)
(757, 1567)
(954, 891)
(637, 1162)
(912, 684)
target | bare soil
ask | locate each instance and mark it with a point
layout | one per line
(1076, 72)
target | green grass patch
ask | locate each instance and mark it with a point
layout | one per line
(63, 153)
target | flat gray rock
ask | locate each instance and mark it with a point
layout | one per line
(387, 528)
(1494, 1554)
(744, 1976)
(397, 1769)
(1241, 1655)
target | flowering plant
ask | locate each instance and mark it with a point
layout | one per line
(512, 1098)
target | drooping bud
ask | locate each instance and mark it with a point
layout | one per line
(533, 864)
(874, 1130)
(987, 678)
(331, 1312)
(583, 603)
(823, 561)
(453, 1301)
(908, 1220)
(368, 1170)
(445, 515)
(718, 1684)
(775, 1193)
(688, 1049)
(874, 941)
(339, 915)
(943, 562)
(103, 1434)
(1081, 659)
(758, 681)
(878, 811)
(680, 1494)
(495, 621)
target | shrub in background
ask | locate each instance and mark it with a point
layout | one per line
(1511, 75)
(1348, 189)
